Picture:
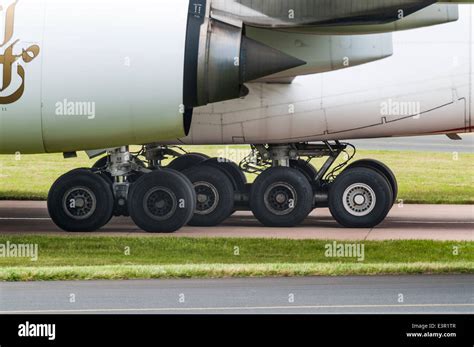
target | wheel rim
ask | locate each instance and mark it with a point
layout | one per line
(207, 198)
(160, 203)
(79, 203)
(359, 199)
(280, 198)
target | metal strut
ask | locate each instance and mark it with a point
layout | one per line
(263, 157)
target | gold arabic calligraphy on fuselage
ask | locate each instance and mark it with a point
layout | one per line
(8, 58)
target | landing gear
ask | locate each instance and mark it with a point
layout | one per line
(158, 200)
(305, 168)
(281, 197)
(187, 161)
(382, 169)
(201, 191)
(360, 198)
(162, 201)
(216, 182)
(81, 201)
(214, 195)
(232, 171)
(103, 163)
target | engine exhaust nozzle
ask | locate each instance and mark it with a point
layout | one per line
(227, 59)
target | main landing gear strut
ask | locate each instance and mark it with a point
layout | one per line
(157, 199)
(201, 191)
(289, 188)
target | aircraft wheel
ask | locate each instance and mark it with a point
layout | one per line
(382, 169)
(81, 201)
(187, 161)
(360, 198)
(232, 170)
(281, 197)
(306, 168)
(162, 201)
(214, 195)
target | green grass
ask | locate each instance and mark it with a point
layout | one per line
(127, 272)
(73, 257)
(432, 178)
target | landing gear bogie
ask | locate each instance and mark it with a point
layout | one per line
(101, 166)
(202, 191)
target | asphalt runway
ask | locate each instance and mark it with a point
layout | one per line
(377, 294)
(424, 222)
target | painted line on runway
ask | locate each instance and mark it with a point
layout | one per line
(423, 222)
(26, 218)
(251, 219)
(246, 308)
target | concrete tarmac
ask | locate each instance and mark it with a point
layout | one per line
(423, 222)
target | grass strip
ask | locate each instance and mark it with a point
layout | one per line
(129, 272)
(74, 257)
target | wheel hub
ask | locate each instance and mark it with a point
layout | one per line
(207, 198)
(160, 203)
(79, 203)
(359, 199)
(280, 198)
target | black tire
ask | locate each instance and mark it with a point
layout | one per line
(101, 163)
(287, 184)
(232, 170)
(217, 193)
(305, 168)
(382, 169)
(187, 161)
(100, 166)
(366, 184)
(94, 194)
(170, 188)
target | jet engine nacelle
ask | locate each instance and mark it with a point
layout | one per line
(220, 59)
(88, 74)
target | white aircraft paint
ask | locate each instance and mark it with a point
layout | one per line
(431, 67)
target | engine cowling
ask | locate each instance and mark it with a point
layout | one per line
(220, 59)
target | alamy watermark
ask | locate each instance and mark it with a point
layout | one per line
(28, 329)
(400, 108)
(236, 155)
(345, 250)
(15, 250)
(76, 108)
